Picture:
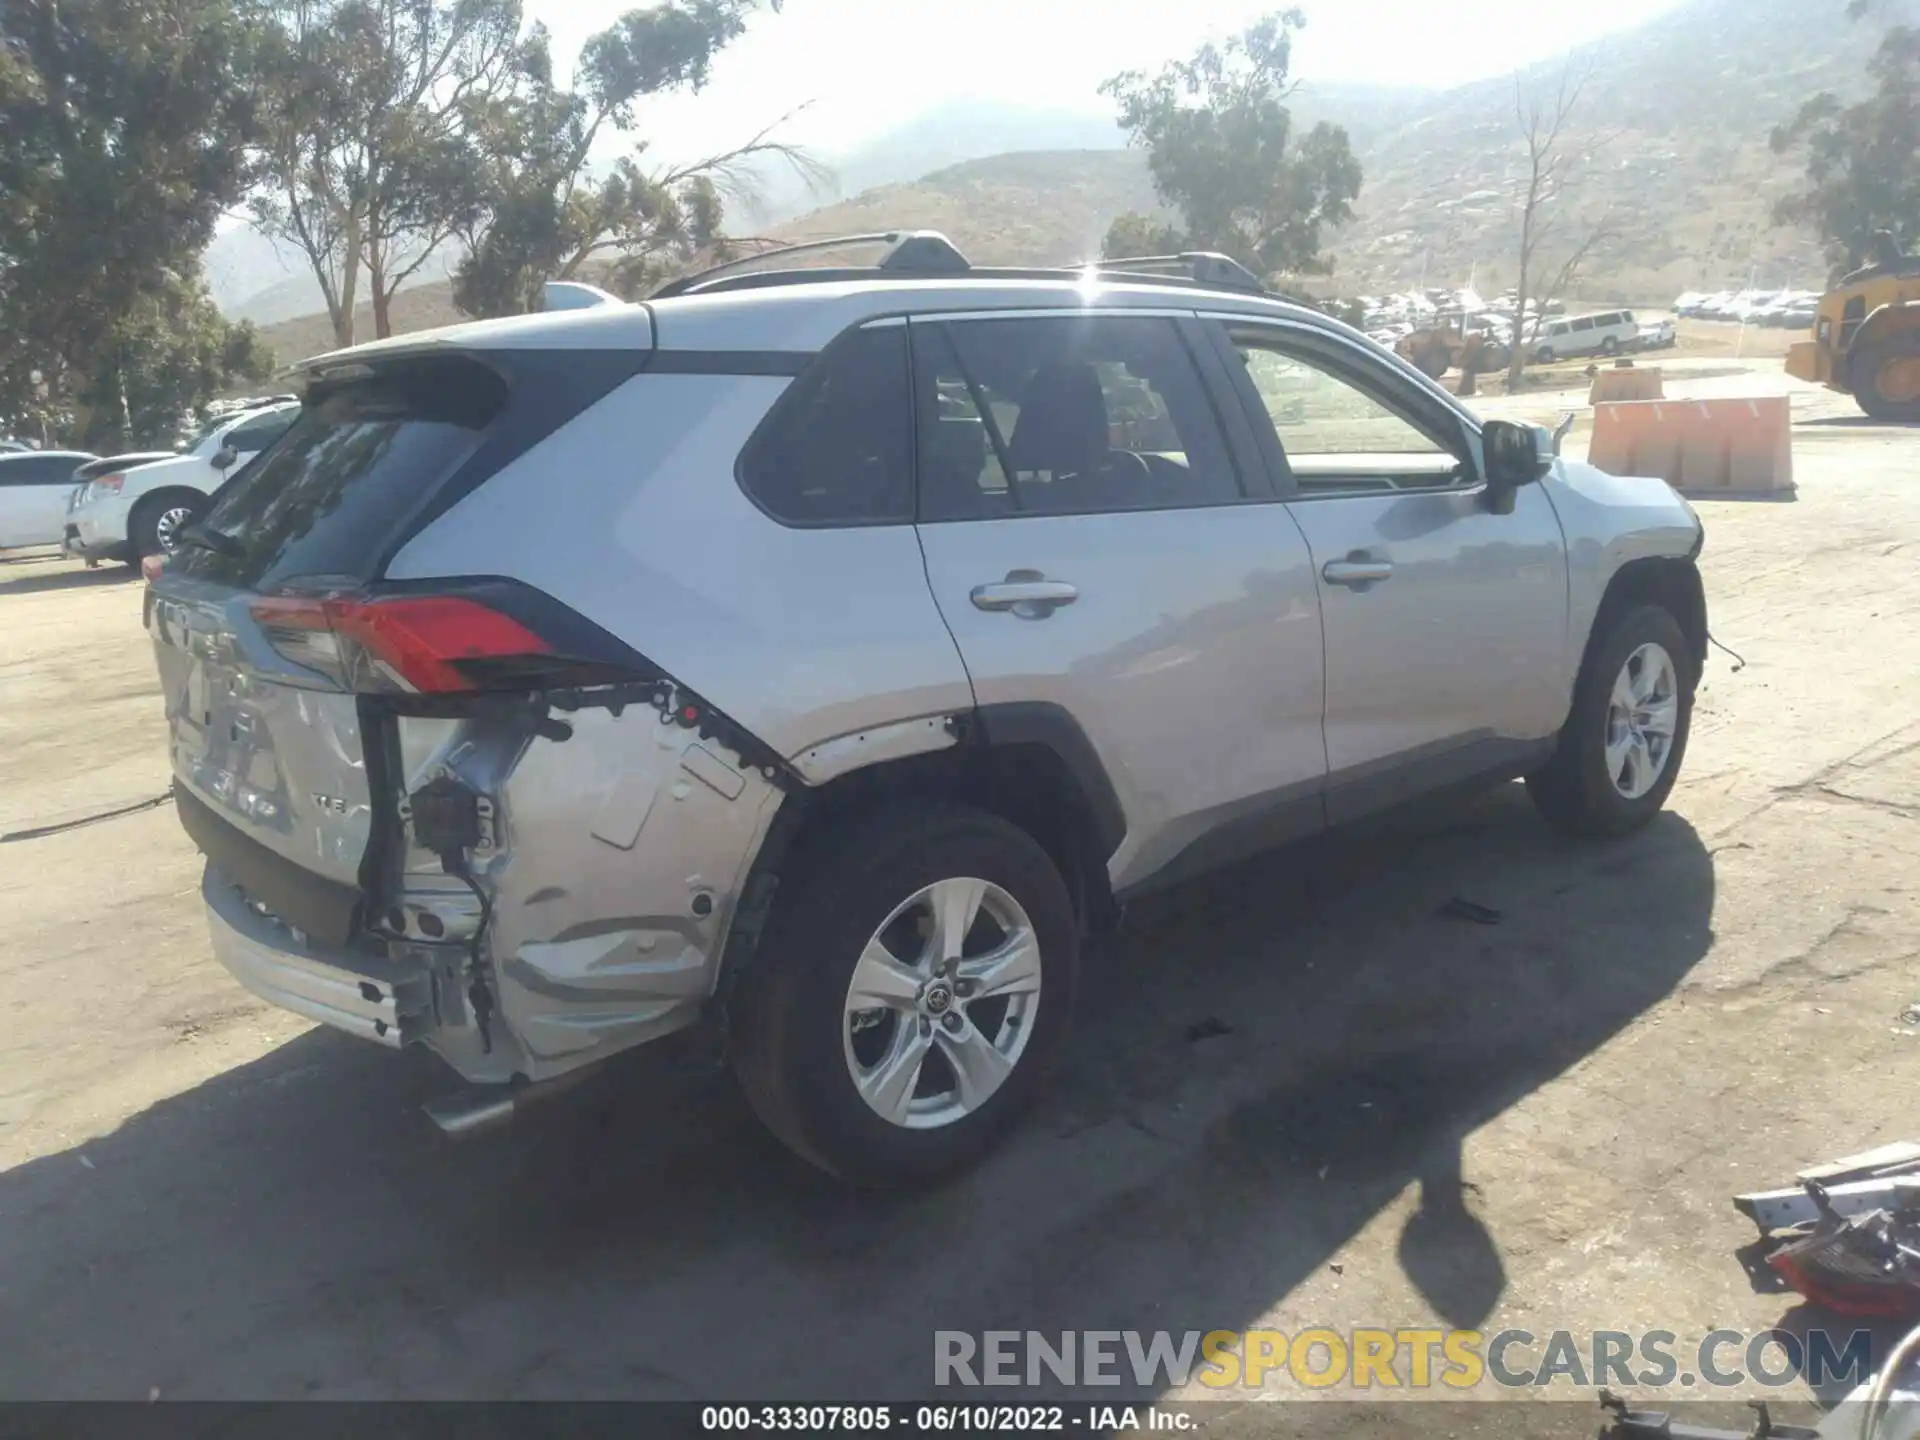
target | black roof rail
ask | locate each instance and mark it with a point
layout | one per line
(927, 254)
(913, 252)
(1203, 267)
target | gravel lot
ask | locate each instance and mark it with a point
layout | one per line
(1412, 1120)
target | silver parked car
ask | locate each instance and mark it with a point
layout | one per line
(823, 653)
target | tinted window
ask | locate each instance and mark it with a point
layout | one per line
(838, 447)
(40, 469)
(259, 433)
(358, 459)
(1064, 416)
(1584, 323)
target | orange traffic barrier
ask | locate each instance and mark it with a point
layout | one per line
(1626, 382)
(1742, 447)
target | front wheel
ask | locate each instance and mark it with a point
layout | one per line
(1545, 355)
(912, 987)
(1620, 750)
(1888, 387)
(157, 522)
(1609, 346)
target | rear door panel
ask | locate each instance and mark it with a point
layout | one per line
(33, 499)
(1190, 653)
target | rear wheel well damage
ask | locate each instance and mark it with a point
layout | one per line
(1672, 584)
(1038, 784)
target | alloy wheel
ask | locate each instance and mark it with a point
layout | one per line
(173, 520)
(1643, 714)
(942, 1003)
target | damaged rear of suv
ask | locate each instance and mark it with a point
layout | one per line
(436, 679)
(824, 652)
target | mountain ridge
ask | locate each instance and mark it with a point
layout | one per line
(1675, 122)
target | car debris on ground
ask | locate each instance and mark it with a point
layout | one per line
(1850, 1231)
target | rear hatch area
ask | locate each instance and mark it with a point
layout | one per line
(275, 641)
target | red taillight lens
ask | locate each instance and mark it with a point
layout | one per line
(435, 644)
(109, 484)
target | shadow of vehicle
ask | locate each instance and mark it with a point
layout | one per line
(105, 577)
(1856, 422)
(294, 1228)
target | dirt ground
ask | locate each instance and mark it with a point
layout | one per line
(1412, 1120)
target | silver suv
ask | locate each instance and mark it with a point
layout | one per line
(824, 652)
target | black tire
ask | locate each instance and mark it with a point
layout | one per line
(1545, 355)
(1609, 346)
(143, 525)
(789, 1017)
(1575, 790)
(1866, 369)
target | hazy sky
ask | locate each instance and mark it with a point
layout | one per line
(868, 65)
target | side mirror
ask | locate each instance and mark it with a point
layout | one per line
(1516, 455)
(224, 459)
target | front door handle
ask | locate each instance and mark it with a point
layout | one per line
(1027, 593)
(1356, 572)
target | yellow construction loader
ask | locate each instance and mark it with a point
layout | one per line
(1866, 337)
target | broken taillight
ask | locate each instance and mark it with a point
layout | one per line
(426, 644)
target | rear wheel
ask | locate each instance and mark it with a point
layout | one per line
(1609, 346)
(1887, 379)
(156, 523)
(910, 992)
(1621, 748)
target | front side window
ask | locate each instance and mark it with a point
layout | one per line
(1338, 436)
(1073, 415)
(837, 449)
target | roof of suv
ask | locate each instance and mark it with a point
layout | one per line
(801, 310)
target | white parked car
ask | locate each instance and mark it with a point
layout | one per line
(1658, 335)
(1607, 333)
(139, 512)
(34, 486)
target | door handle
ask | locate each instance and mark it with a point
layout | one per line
(1356, 572)
(1027, 593)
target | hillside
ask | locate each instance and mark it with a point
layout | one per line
(1043, 207)
(1676, 119)
(1674, 126)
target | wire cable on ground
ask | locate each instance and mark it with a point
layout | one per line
(40, 832)
(1739, 660)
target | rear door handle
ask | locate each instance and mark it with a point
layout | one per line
(1355, 573)
(1026, 593)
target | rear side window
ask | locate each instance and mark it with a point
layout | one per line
(1078, 415)
(1584, 323)
(837, 448)
(358, 460)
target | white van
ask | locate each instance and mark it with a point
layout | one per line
(1609, 333)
